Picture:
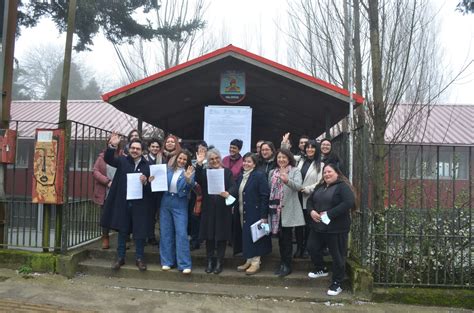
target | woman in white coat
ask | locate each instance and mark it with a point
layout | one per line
(310, 168)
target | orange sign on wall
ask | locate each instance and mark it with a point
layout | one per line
(48, 166)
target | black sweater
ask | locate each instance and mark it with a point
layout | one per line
(337, 200)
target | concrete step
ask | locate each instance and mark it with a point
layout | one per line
(199, 259)
(314, 293)
(229, 275)
(198, 256)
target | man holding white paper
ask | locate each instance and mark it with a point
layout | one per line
(127, 208)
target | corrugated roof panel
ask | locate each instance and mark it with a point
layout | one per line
(96, 113)
(445, 124)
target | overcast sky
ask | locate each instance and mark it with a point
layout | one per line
(254, 25)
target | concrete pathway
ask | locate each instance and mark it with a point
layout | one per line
(54, 293)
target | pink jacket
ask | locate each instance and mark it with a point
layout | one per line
(234, 166)
(100, 179)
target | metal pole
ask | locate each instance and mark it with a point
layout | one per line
(350, 84)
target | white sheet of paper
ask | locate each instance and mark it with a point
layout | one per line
(134, 186)
(160, 182)
(215, 181)
(256, 231)
(229, 200)
(325, 218)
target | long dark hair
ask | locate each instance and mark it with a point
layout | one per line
(317, 154)
(341, 177)
(331, 157)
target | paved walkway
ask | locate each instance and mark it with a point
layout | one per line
(54, 293)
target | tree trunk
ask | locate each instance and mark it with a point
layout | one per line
(380, 124)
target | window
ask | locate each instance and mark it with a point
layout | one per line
(428, 161)
(85, 154)
(24, 153)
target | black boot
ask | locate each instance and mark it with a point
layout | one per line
(210, 265)
(278, 270)
(299, 253)
(286, 270)
(218, 267)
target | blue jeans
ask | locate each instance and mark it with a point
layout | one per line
(121, 247)
(174, 244)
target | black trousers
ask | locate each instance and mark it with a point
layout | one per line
(302, 232)
(337, 244)
(285, 243)
(211, 246)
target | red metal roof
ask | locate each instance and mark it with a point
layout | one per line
(232, 49)
(45, 114)
(435, 124)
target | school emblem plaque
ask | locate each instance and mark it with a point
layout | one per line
(232, 86)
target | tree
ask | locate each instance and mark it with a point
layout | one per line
(78, 90)
(181, 24)
(114, 18)
(39, 62)
(20, 90)
(465, 6)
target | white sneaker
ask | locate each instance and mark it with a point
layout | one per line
(187, 271)
(334, 289)
(165, 268)
(318, 274)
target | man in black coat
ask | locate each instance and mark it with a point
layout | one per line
(120, 214)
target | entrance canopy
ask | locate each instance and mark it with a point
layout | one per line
(282, 99)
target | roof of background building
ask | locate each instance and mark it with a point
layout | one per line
(434, 125)
(45, 114)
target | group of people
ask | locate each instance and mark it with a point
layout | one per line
(304, 193)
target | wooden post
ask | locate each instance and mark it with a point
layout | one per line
(61, 212)
(8, 47)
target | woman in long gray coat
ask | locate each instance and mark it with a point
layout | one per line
(285, 208)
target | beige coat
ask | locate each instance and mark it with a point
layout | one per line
(291, 212)
(312, 178)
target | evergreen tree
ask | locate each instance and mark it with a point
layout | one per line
(465, 6)
(114, 18)
(78, 90)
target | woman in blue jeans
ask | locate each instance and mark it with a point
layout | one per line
(174, 244)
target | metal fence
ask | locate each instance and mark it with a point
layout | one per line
(423, 236)
(45, 227)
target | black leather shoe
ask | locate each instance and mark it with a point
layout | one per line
(141, 265)
(118, 263)
(218, 268)
(194, 246)
(152, 241)
(278, 270)
(286, 270)
(210, 266)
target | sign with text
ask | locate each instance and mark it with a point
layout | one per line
(222, 124)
